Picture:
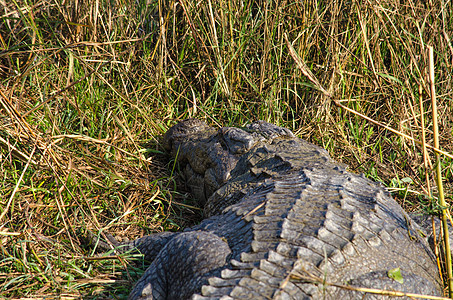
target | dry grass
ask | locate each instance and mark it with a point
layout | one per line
(87, 89)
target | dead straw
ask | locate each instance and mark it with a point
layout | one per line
(426, 167)
(297, 276)
(440, 188)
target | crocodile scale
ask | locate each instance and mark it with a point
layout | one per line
(284, 221)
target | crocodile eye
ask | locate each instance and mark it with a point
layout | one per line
(268, 130)
(238, 141)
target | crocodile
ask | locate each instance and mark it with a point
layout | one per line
(283, 221)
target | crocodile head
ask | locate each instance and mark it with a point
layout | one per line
(208, 156)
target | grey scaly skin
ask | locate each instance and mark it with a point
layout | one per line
(281, 215)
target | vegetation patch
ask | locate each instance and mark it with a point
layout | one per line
(87, 88)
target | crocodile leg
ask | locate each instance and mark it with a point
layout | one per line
(186, 262)
(149, 246)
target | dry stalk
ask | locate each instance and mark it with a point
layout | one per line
(426, 167)
(296, 276)
(440, 188)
